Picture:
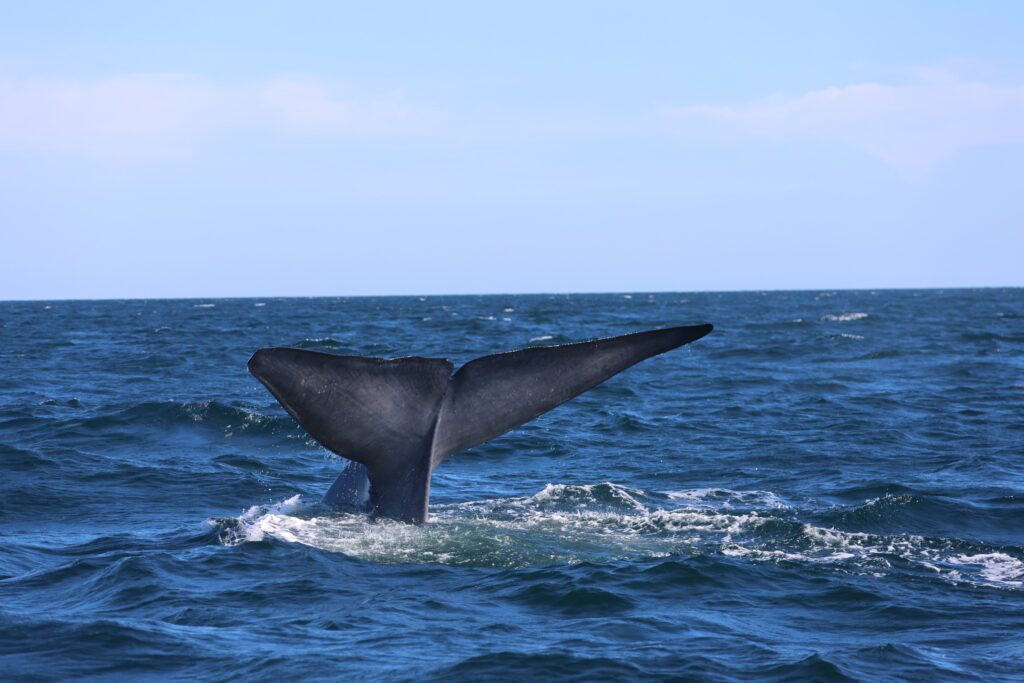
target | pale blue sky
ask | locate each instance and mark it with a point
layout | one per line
(256, 149)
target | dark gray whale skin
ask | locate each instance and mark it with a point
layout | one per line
(399, 418)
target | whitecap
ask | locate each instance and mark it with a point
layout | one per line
(204, 305)
(728, 498)
(543, 337)
(845, 317)
(589, 493)
(999, 569)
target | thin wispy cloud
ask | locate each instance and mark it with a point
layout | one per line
(911, 126)
(154, 115)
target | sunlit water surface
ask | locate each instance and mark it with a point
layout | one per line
(829, 486)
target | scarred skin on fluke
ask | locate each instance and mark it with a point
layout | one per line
(399, 418)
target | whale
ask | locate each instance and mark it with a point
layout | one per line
(397, 419)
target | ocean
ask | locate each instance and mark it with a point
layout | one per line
(830, 486)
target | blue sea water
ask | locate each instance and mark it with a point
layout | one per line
(830, 486)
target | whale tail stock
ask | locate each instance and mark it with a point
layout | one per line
(400, 418)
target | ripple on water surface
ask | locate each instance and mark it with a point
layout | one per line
(827, 487)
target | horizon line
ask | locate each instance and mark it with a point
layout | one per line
(579, 293)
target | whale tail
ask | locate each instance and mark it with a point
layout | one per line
(400, 418)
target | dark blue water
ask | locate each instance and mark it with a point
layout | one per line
(829, 486)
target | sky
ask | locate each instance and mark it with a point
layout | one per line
(198, 149)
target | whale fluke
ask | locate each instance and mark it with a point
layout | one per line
(380, 413)
(400, 418)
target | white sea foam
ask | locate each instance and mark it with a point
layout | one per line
(320, 340)
(727, 498)
(874, 553)
(259, 304)
(508, 310)
(586, 493)
(845, 317)
(568, 524)
(258, 520)
(560, 524)
(998, 568)
(204, 305)
(543, 337)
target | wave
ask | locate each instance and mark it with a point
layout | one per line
(727, 498)
(990, 336)
(764, 351)
(231, 419)
(876, 355)
(21, 460)
(544, 666)
(933, 513)
(599, 523)
(845, 317)
(321, 343)
(997, 568)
